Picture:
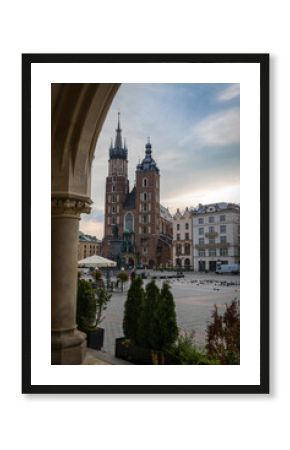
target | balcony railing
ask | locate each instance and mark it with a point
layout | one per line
(211, 235)
(212, 246)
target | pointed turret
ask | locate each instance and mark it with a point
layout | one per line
(118, 151)
(148, 147)
(118, 140)
(148, 162)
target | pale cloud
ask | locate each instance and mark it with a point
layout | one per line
(93, 223)
(229, 93)
(222, 128)
(229, 193)
(93, 228)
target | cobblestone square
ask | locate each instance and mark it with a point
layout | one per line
(195, 296)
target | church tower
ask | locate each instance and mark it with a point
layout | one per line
(148, 207)
(137, 229)
(117, 188)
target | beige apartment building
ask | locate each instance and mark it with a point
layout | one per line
(182, 240)
(88, 246)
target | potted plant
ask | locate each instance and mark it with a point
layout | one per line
(91, 304)
(123, 277)
(99, 279)
(186, 353)
(223, 335)
(149, 325)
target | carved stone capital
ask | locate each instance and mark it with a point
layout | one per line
(69, 207)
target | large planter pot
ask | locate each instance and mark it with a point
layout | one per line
(95, 338)
(124, 349)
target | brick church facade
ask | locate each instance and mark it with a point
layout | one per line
(137, 228)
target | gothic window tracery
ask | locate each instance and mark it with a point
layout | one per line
(129, 225)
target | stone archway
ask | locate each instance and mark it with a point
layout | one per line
(77, 115)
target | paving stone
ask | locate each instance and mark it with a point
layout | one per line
(195, 297)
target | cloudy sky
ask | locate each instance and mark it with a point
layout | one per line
(194, 130)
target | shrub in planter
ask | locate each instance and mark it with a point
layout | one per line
(98, 275)
(123, 277)
(133, 308)
(103, 298)
(126, 349)
(166, 324)
(99, 278)
(149, 325)
(147, 331)
(86, 306)
(90, 307)
(185, 352)
(223, 335)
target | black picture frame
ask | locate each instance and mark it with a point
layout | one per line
(263, 61)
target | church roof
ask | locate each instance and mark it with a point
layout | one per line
(130, 198)
(118, 151)
(148, 162)
(165, 213)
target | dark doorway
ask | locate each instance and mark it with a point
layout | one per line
(201, 266)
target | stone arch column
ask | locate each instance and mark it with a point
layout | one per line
(78, 113)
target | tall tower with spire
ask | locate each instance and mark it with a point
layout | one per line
(148, 194)
(137, 232)
(117, 188)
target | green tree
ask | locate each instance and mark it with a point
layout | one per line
(123, 277)
(86, 306)
(167, 330)
(102, 300)
(223, 335)
(147, 334)
(133, 309)
(98, 275)
(90, 305)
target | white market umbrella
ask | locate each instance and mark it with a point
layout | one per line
(96, 261)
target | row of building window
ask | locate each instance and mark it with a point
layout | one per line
(201, 221)
(186, 226)
(186, 249)
(201, 240)
(144, 196)
(223, 229)
(213, 252)
(186, 236)
(223, 240)
(92, 247)
(211, 219)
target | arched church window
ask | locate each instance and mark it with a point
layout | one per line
(145, 196)
(145, 182)
(129, 221)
